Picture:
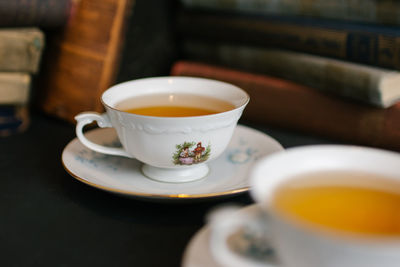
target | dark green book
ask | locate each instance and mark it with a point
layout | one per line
(361, 43)
(375, 86)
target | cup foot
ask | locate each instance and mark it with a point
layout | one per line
(181, 175)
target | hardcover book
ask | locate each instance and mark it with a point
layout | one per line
(292, 106)
(14, 88)
(39, 13)
(368, 11)
(371, 85)
(360, 43)
(13, 119)
(82, 60)
(21, 49)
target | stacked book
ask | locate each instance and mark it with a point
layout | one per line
(324, 67)
(22, 41)
(83, 58)
(21, 50)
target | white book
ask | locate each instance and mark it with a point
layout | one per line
(14, 88)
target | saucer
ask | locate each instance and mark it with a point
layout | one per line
(227, 176)
(198, 254)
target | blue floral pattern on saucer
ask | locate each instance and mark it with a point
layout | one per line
(243, 152)
(96, 160)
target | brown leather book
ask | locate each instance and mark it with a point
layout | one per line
(292, 106)
(82, 59)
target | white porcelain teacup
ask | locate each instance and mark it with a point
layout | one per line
(173, 149)
(300, 244)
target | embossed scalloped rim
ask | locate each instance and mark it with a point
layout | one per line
(170, 130)
(242, 104)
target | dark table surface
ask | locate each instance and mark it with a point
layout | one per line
(47, 218)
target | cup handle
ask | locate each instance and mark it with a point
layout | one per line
(103, 121)
(224, 222)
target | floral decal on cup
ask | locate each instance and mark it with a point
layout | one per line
(190, 153)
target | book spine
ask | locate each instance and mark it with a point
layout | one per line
(369, 11)
(289, 105)
(14, 88)
(40, 13)
(21, 49)
(83, 59)
(13, 119)
(359, 82)
(366, 44)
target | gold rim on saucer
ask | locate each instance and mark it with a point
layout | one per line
(159, 196)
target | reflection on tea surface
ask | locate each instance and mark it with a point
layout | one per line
(348, 201)
(174, 105)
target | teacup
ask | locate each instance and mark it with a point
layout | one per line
(300, 242)
(173, 149)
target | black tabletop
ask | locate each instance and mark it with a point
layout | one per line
(47, 218)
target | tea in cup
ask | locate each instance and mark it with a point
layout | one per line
(173, 125)
(324, 206)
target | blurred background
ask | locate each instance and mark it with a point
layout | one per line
(325, 68)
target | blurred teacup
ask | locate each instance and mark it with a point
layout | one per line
(323, 206)
(174, 125)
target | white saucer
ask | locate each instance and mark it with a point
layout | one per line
(227, 176)
(198, 254)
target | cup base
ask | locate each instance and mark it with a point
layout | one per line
(168, 175)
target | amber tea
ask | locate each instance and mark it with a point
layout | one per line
(352, 202)
(174, 105)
